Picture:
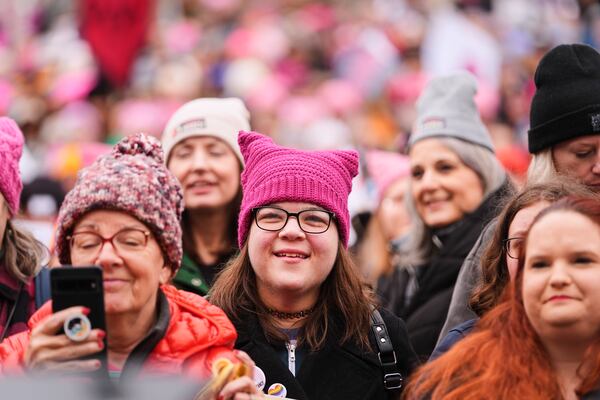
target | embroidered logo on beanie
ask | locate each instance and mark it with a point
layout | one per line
(275, 174)
(566, 104)
(447, 108)
(219, 118)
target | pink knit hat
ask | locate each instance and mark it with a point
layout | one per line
(274, 174)
(11, 147)
(385, 168)
(132, 179)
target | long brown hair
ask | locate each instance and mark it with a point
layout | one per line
(343, 293)
(22, 254)
(504, 357)
(495, 275)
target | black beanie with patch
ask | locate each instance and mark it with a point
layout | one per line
(566, 103)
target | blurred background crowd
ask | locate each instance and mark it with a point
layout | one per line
(79, 75)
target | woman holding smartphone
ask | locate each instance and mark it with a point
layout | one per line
(123, 215)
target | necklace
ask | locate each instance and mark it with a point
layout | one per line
(293, 315)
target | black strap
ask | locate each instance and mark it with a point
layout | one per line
(392, 379)
(12, 312)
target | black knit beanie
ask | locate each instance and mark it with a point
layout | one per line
(566, 103)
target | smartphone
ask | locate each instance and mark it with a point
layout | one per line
(81, 286)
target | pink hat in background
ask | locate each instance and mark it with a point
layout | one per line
(11, 148)
(385, 168)
(275, 174)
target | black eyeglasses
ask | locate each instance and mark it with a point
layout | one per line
(512, 246)
(275, 218)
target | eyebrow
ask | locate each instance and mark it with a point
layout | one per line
(311, 208)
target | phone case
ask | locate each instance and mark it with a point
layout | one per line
(81, 286)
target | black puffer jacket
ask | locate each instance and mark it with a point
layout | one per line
(426, 312)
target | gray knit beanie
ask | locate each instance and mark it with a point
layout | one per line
(446, 108)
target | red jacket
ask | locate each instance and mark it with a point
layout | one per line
(198, 333)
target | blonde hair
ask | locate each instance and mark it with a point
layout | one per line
(541, 168)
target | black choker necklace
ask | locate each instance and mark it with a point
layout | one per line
(293, 315)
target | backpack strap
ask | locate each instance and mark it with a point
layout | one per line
(392, 379)
(42, 287)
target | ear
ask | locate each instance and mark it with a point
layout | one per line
(166, 273)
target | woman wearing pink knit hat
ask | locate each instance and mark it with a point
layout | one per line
(20, 254)
(299, 305)
(390, 220)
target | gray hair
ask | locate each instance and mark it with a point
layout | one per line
(484, 163)
(541, 168)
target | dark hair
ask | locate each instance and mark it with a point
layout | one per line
(493, 261)
(343, 293)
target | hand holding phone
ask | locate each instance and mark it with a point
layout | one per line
(73, 338)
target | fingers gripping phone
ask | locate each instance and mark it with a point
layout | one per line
(81, 286)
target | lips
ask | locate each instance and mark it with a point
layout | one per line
(112, 284)
(559, 297)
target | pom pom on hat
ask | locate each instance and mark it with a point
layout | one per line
(132, 179)
(11, 148)
(276, 174)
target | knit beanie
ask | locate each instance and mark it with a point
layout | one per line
(275, 174)
(219, 118)
(385, 168)
(566, 103)
(446, 108)
(11, 147)
(132, 179)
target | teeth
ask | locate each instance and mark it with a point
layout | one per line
(290, 255)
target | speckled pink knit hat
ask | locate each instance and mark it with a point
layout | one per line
(11, 147)
(274, 174)
(132, 179)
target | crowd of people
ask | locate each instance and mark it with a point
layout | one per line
(306, 200)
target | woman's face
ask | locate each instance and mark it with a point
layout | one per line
(444, 189)
(580, 159)
(290, 263)
(132, 271)
(393, 214)
(208, 170)
(561, 276)
(516, 233)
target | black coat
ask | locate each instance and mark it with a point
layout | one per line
(426, 312)
(334, 372)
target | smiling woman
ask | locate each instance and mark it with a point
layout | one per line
(123, 215)
(298, 303)
(201, 150)
(546, 326)
(456, 184)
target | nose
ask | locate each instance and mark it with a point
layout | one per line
(559, 275)
(107, 256)
(291, 230)
(596, 166)
(199, 161)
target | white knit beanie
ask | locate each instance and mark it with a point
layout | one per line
(220, 118)
(446, 108)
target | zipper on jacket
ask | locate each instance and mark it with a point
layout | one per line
(291, 349)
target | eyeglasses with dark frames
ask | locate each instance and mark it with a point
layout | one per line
(310, 221)
(512, 246)
(88, 244)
